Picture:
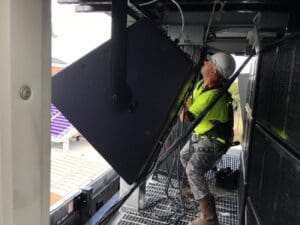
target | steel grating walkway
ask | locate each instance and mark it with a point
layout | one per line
(162, 210)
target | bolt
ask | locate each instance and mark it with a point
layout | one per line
(25, 92)
(115, 97)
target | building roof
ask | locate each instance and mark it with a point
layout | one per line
(58, 61)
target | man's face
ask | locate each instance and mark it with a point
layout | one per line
(208, 69)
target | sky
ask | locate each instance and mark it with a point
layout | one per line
(75, 34)
(239, 61)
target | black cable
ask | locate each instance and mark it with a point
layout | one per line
(169, 180)
(210, 21)
(152, 204)
(176, 132)
(203, 55)
(173, 134)
(178, 204)
(181, 176)
(173, 122)
(175, 161)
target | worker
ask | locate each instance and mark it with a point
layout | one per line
(212, 136)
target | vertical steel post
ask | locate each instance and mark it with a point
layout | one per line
(120, 92)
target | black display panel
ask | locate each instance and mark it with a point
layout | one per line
(157, 75)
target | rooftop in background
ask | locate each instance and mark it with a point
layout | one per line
(58, 61)
(70, 170)
(57, 65)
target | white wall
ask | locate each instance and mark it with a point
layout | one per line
(24, 124)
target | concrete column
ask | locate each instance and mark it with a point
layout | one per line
(137, 199)
(25, 62)
(66, 145)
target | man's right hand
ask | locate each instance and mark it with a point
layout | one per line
(182, 116)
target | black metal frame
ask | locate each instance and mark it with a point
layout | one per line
(87, 201)
(120, 92)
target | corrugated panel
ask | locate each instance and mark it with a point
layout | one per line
(250, 218)
(256, 168)
(278, 105)
(265, 85)
(287, 198)
(274, 181)
(292, 122)
(279, 98)
(268, 185)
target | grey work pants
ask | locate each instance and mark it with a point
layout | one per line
(197, 157)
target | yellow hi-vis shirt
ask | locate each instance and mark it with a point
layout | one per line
(199, 100)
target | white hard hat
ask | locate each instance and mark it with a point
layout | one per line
(224, 63)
